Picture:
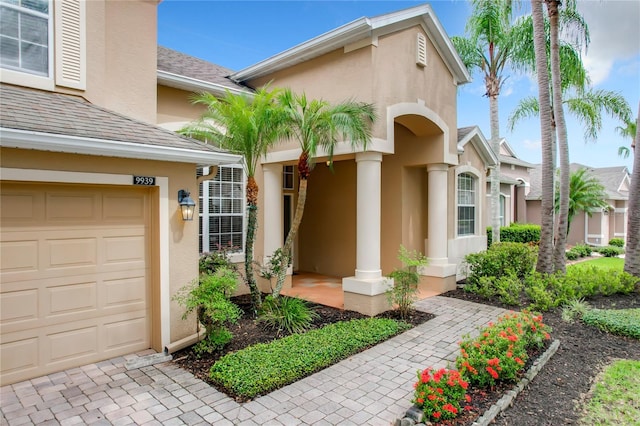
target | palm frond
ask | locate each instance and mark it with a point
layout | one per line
(527, 108)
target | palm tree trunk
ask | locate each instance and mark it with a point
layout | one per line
(252, 220)
(559, 261)
(493, 89)
(632, 255)
(545, 253)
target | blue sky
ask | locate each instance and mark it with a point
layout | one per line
(237, 34)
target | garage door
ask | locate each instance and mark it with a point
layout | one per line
(74, 276)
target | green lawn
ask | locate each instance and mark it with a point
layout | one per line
(616, 396)
(601, 262)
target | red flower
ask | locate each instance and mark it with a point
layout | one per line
(436, 415)
(431, 397)
(493, 372)
(463, 384)
(513, 338)
(509, 354)
(440, 391)
(493, 362)
(468, 407)
(467, 398)
(450, 408)
(519, 361)
(420, 401)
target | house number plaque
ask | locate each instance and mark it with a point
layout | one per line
(144, 180)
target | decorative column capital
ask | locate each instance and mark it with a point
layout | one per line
(368, 156)
(437, 167)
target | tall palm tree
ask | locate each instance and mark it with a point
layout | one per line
(586, 194)
(545, 252)
(488, 48)
(316, 124)
(628, 131)
(245, 125)
(632, 255)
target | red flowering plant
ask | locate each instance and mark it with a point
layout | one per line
(440, 393)
(499, 353)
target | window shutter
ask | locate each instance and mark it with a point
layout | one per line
(421, 50)
(70, 39)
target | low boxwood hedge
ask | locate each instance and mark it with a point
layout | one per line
(264, 367)
(618, 321)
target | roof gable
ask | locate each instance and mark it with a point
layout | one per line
(474, 135)
(357, 31)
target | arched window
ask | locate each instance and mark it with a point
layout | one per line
(466, 204)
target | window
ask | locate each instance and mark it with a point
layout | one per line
(222, 201)
(503, 203)
(24, 36)
(466, 204)
(287, 177)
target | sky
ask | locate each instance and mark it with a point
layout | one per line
(238, 34)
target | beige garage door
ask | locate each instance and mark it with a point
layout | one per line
(74, 276)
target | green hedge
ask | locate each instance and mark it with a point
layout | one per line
(618, 321)
(265, 367)
(516, 233)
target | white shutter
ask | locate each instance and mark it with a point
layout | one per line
(70, 40)
(421, 50)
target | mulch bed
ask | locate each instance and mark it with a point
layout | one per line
(555, 396)
(248, 332)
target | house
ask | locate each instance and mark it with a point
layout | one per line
(92, 239)
(93, 242)
(596, 227)
(420, 183)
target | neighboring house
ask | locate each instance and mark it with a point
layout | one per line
(90, 259)
(420, 183)
(603, 224)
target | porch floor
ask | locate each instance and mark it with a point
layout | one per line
(326, 290)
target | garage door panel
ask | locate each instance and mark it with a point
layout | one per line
(74, 277)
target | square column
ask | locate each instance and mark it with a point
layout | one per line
(273, 227)
(365, 291)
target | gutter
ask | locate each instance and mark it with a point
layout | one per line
(195, 85)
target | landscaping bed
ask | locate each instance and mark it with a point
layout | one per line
(248, 332)
(556, 396)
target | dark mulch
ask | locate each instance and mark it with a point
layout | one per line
(248, 332)
(556, 395)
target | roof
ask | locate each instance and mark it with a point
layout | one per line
(27, 115)
(515, 161)
(362, 29)
(182, 71)
(612, 178)
(474, 135)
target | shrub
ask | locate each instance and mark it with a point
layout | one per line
(516, 233)
(405, 288)
(261, 368)
(500, 351)
(209, 263)
(209, 296)
(287, 313)
(574, 309)
(572, 254)
(618, 321)
(610, 251)
(440, 394)
(584, 250)
(616, 242)
(499, 260)
(507, 288)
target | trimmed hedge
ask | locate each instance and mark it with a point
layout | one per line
(610, 251)
(618, 321)
(517, 233)
(264, 367)
(616, 242)
(500, 260)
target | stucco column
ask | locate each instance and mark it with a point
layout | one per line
(272, 208)
(438, 214)
(368, 215)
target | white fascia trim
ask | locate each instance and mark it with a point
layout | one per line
(162, 182)
(480, 143)
(195, 85)
(341, 148)
(13, 138)
(319, 45)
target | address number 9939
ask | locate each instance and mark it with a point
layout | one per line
(144, 180)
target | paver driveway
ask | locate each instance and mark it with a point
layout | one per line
(373, 387)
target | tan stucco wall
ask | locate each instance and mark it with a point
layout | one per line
(327, 236)
(122, 57)
(183, 236)
(174, 105)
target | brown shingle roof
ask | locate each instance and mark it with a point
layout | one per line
(56, 113)
(189, 66)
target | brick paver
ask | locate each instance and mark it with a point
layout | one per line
(373, 387)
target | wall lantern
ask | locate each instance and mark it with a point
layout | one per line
(187, 205)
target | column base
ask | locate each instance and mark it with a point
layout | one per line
(438, 278)
(366, 296)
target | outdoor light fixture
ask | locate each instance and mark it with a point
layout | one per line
(187, 205)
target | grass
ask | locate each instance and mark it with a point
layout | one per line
(611, 263)
(616, 396)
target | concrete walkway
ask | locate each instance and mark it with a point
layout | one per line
(373, 387)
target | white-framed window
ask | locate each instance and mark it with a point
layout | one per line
(25, 36)
(287, 177)
(466, 195)
(222, 210)
(503, 203)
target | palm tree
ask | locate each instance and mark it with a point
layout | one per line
(586, 194)
(545, 252)
(632, 256)
(628, 131)
(316, 124)
(245, 125)
(488, 48)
